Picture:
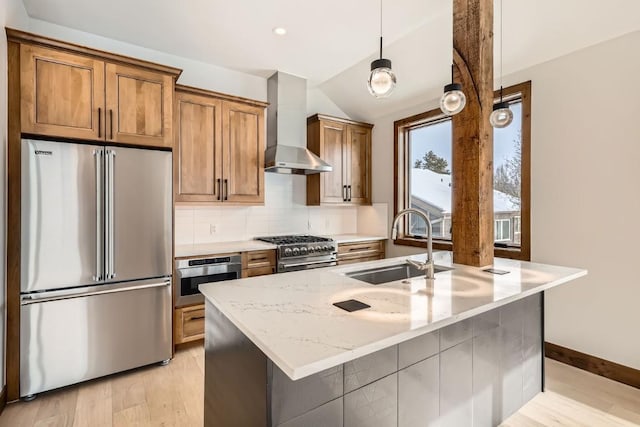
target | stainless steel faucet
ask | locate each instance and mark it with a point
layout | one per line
(427, 266)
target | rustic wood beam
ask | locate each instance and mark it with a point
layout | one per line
(472, 207)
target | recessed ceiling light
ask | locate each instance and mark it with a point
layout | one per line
(279, 31)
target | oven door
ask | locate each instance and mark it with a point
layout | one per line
(307, 263)
(188, 280)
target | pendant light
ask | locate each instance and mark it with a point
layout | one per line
(453, 99)
(382, 79)
(501, 116)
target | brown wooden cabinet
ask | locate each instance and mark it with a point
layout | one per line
(138, 106)
(219, 146)
(91, 95)
(350, 253)
(188, 324)
(258, 263)
(346, 146)
(62, 94)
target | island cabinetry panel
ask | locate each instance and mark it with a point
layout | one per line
(470, 373)
(346, 146)
(418, 393)
(373, 405)
(350, 253)
(73, 94)
(219, 145)
(258, 263)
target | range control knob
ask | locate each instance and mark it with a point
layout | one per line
(296, 251)
(303, 251)
(311, 249)
(287, 252)
(325, 248)
(318, 249)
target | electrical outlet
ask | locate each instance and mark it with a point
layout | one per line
(212, 229)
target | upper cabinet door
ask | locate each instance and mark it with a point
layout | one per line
(138, 106)
(332, 143)
(61, 94)
(198, 148)
(358, 151)
(243, 136)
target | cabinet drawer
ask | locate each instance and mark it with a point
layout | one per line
(259, 259)
(359, 250)
(363, 259)
(189, 323)
(259, 271)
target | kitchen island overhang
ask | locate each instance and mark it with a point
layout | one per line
(469, 349)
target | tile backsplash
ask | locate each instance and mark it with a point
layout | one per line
(284, 212)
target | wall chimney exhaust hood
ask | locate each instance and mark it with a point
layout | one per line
(287, 128)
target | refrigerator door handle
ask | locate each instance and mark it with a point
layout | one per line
(99, 209)
(96, 290)
(111, 155)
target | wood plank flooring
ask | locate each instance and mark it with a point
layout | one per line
(172, 396)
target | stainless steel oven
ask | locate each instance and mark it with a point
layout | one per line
(303, 252)
(192, 272)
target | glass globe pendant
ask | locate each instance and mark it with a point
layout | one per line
(501, 116)
(382, 79)
(453, 99)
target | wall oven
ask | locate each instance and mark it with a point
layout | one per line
(194, 271)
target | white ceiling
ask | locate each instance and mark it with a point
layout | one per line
(332, 42)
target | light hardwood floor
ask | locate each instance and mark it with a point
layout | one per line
(172, 396)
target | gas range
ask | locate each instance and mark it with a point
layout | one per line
(302, 252)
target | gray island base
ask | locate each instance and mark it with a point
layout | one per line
(476, 372)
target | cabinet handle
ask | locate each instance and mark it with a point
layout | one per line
(111, 122)
(226, 189)
(219, 182)
(344, 193)
(99, 122)
(194, 318)
(349, 189)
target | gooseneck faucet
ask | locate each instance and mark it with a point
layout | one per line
(427, 266)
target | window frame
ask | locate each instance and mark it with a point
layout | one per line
(501, 221)
(522, 92)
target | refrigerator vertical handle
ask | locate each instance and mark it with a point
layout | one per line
(97, 154)
(111, 154)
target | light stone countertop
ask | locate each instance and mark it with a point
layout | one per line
(290, 316)
(255, 245)
(221, 248)
(354, 238)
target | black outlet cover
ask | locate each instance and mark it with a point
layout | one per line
(351, 305)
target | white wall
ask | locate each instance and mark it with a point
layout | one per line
(585, 201)
(12, 14)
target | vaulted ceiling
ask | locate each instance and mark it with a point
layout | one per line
(332, 42)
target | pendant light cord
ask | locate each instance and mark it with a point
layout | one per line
(501, 47)
(380, 29)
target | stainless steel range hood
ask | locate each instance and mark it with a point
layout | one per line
(287, 128)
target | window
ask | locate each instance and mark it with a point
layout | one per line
(423, 150)
(502, 230)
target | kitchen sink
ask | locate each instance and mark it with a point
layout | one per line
(391, 273)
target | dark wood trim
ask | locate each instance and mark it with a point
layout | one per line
(13, 223)
(593, 364)
(204, 92)
(18, 36)
(3, 399)
(520, 91)
(319, 117)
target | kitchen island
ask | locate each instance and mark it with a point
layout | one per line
(463, 349)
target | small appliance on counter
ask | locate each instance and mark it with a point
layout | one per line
(96, 242)
(303, 252)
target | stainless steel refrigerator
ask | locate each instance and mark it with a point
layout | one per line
(96, 239)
